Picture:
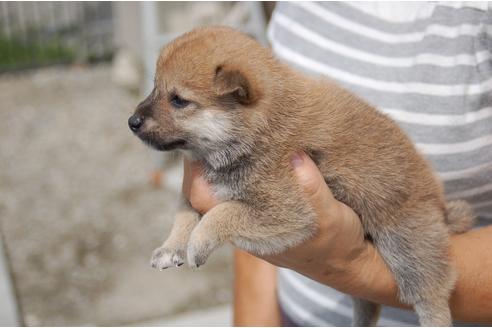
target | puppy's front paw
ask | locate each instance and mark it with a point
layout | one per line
(163, 258)
(199, 249)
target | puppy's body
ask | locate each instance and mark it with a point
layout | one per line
(227, 102)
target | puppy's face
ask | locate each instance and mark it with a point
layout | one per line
(204, 99)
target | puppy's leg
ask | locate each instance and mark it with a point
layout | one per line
(366, 313)
(215, 228)
(173, 250)
(256, 231)
(416, 251)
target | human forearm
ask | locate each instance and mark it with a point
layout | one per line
(471, 300)
(255, 299)
(472, 297)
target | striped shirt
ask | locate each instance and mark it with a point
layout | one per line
(426, 65)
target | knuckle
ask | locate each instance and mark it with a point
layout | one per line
(313, 187)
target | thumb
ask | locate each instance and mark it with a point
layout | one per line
(310, 179)
(196, 189)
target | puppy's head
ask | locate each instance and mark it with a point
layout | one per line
(210, 95)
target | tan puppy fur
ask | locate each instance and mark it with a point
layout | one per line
(224, 100)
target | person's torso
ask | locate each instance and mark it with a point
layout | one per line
(426, 65)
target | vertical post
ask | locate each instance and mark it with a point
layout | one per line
(21, 32)
(149, 36)
(7, 29)
(7, 32)
(83, 48)
(37, 40)
(257, 21)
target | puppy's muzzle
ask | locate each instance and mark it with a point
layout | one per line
(135, 122)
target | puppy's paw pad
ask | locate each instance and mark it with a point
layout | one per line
(163, 258)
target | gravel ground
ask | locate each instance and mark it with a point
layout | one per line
(77, 212)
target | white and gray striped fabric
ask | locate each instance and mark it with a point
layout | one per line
(426, 65)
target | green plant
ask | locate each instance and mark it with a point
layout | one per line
(16, 53)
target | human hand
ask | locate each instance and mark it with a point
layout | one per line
(339, 240)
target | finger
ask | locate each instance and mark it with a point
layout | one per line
(196, 169)
(196, 189)
(311, 179)
(187, 177)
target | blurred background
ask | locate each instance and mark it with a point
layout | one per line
(82, 202)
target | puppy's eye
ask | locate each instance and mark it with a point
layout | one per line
(178, 102)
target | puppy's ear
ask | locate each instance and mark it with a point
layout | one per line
(232, 84)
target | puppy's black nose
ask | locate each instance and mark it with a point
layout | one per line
(135, 122)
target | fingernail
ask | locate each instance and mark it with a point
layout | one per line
(296, 160)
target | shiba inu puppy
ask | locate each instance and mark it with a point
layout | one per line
(225, 101)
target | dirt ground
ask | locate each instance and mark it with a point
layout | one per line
(77, 212)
